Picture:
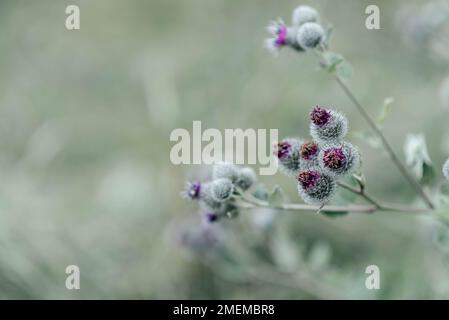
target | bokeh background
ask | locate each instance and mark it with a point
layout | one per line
(85, 174)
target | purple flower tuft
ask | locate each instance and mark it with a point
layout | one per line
(309, 178)
(309, 150)
(320, 116)
(211, 217)
(334, 158)
(281, 39)
(282, 149)
(193, 190)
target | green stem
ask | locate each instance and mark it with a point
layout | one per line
(411, 180)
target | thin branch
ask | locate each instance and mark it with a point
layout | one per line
(305, 207)
(381, 206)
(411, 180)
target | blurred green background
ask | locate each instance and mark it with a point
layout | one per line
(85, 174)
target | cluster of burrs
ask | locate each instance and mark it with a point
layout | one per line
(304, 33)
(216, 196)
(318, 164)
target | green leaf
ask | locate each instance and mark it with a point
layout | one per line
(276, 198)
(417, 158)
(369, 138)
(336, 64)
(384, 111)
(260, 192)
(344, 70)
(332, 59)
(333, 215)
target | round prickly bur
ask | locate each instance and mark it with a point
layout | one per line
(206, 198)
(308, 152)
(446, 169)
(327, 125)
(303, 14)
(338, 159)
(192, 190)
(222, 189)
(310, 35)
(246, 179)
(225, 170)
(315, 187)
(287, 153)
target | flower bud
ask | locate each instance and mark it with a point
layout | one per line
(281, 36)
(303, 14)
(287, 153)
(446, 169)
(310, 35)
(192, 190)
(327, 125)
(246, 179)
(339, 159)
(206, 198)
(308, 152)
(225, 170)
(210, 217)
(315, 187)
(222, 189)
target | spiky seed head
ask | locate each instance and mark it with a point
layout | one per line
(327, 125)
(206, 198)
(310, 35)
(192, 190)
(222, 189)
(315, 187)
(338, 159)
(225, 170)
(247, 178)
(303, 14)
(446, 169)
(287, 153)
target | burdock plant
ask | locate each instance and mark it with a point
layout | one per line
(326, 162)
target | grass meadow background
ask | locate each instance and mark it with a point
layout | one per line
(85, 174)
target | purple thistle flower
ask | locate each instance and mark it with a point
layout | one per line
(192, 190)
(211, 217)
(282, 149)
(309, 150)
(320, 116)
(334, 158)
(279, 33)
(309, 178)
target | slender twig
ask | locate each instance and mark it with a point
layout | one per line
(381, 206)
(247, 201)
(411, 180)
(251, 201)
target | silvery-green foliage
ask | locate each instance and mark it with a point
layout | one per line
(221, 189)
(417, 157)
(310, 35)
(446, 169)
(339, 159)
(247, 177)
(335, 129)
(225, 170)
(303, 14)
